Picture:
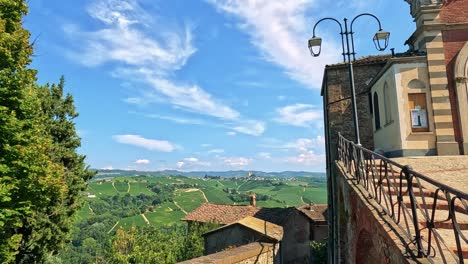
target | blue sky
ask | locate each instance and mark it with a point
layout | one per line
(200, 84)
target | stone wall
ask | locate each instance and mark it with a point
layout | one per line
(233, 236)
(340, 110)
(295, 244)
(365, 234)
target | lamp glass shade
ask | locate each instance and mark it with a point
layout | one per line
(315, 46)
(381, 40)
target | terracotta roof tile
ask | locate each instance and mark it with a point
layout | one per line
(220, 214)
(315, 212)
(226, 214)
(263, 227)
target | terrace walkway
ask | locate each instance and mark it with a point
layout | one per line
(426, 197)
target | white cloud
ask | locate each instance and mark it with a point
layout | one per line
(216, 151)
(191, 163)
(176, 119)
(264, 155)
(251, 127)
(235, 161)
(231, 133)
(308, 158)
(107, 168)
(302, 115)
(150, 144)
(150, 53)
(304, 144)
(308, 151)
(301, 145)
(279, 29)
(205, 145)
(142, 162)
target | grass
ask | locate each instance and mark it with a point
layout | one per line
(228, 184)
(189, 201)
(270, 203)
(215, 195)
(291, 195)
(102, 188)
(316, 195)
(165, 214)
(135, 220)
(139, 187)
(121, 186)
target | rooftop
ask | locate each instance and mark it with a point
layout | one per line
(227, 214)
(316, 212)
(234, 255)
(263, 227)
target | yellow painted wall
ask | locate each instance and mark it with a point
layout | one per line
(387, 138)
(398, 135)
(405, 73)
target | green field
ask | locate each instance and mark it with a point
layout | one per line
(188, 199)
(166, 213)
(137, 187)
(216, 195)
(188, 193)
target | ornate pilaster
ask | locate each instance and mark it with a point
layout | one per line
(428, 37)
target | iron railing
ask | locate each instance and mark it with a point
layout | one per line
(424, 209)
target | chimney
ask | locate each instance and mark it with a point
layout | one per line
(253, 199)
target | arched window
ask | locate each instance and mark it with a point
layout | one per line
(376, 111)
(388, 104)
(416, 84)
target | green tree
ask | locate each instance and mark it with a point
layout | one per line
(40, 177)
(147, 245)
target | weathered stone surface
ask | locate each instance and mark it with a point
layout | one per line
(340, 117)
(366, 235)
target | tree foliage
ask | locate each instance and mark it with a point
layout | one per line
(40, 173)
(158, 245)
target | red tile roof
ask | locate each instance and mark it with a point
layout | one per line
(263, 227)
(226, 214)
(315, 212)
(220, 214)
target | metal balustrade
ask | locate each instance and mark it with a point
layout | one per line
(427, 211)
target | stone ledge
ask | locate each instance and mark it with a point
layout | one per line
(234, 255)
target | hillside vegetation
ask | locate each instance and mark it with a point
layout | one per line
(116, 205)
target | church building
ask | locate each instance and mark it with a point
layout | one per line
(417, 101)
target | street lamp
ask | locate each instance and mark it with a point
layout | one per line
(381, 43)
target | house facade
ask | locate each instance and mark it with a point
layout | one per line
(413, 103)
(238, 228)
(419, 103)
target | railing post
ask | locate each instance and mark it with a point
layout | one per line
(409, 178)
(456, 229)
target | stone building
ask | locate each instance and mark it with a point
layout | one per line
(245, 231)
(421, 102)
(412, 103)
(336, 92)
(288, 231)
(296, 225)
(317, 214)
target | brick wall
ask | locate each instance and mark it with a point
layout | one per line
(366, 234)
(340, 110)
(453, 43)
(454, 11)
